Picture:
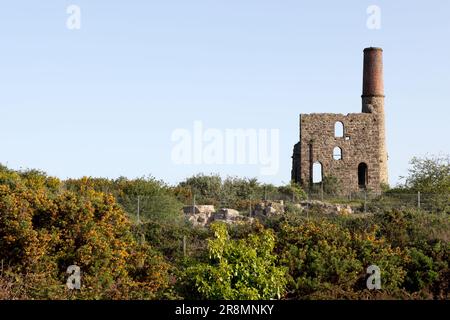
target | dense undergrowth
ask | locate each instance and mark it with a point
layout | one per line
(46, 225)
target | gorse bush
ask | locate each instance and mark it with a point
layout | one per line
(154, 199)
(43, 231)
(326, 260)
(426, 239)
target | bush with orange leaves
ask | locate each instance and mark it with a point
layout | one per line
(45, 229)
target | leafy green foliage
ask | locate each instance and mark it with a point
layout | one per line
(239, 269)
(233, 192)
(293, 191)
(331, 185)
(326, 260)
(206, 189)
(429, 174)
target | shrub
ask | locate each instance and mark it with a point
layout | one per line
(238, 269)
(331, 185)
(292, 191)
(327, 261)
(43, 232)
(154, 199)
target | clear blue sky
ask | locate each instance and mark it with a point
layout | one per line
(105, 99)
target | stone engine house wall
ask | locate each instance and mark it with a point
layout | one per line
(363, 162)
(359, 144)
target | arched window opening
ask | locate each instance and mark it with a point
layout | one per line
(337, 153)
(362, 175)
(317, 172)
(338, 130)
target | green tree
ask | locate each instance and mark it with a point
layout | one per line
(429, 174)
(206, 189)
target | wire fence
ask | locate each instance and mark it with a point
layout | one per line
(141, 208)
(371, 201)
(155, 216)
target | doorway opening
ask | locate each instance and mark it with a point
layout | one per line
(362, 175)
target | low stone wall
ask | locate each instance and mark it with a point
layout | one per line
(203, 215)
(325, 207)
(269, 208)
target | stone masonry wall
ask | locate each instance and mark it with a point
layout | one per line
(375, 105)
(362, 143)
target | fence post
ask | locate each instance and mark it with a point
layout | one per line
(184, 246)
(418, 199)
(365, 201)
(139, 210)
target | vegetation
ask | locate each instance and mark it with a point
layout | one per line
(243, 269)
(44, 229)
(233, 192)
(131, 241)
(429, 175)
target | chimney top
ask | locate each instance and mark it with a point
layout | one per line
(373, 48)
(373, 73)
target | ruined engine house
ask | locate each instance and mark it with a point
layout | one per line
(352, 147)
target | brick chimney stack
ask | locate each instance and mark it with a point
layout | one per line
(373, 86)
(373, 102)
(373, 72)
